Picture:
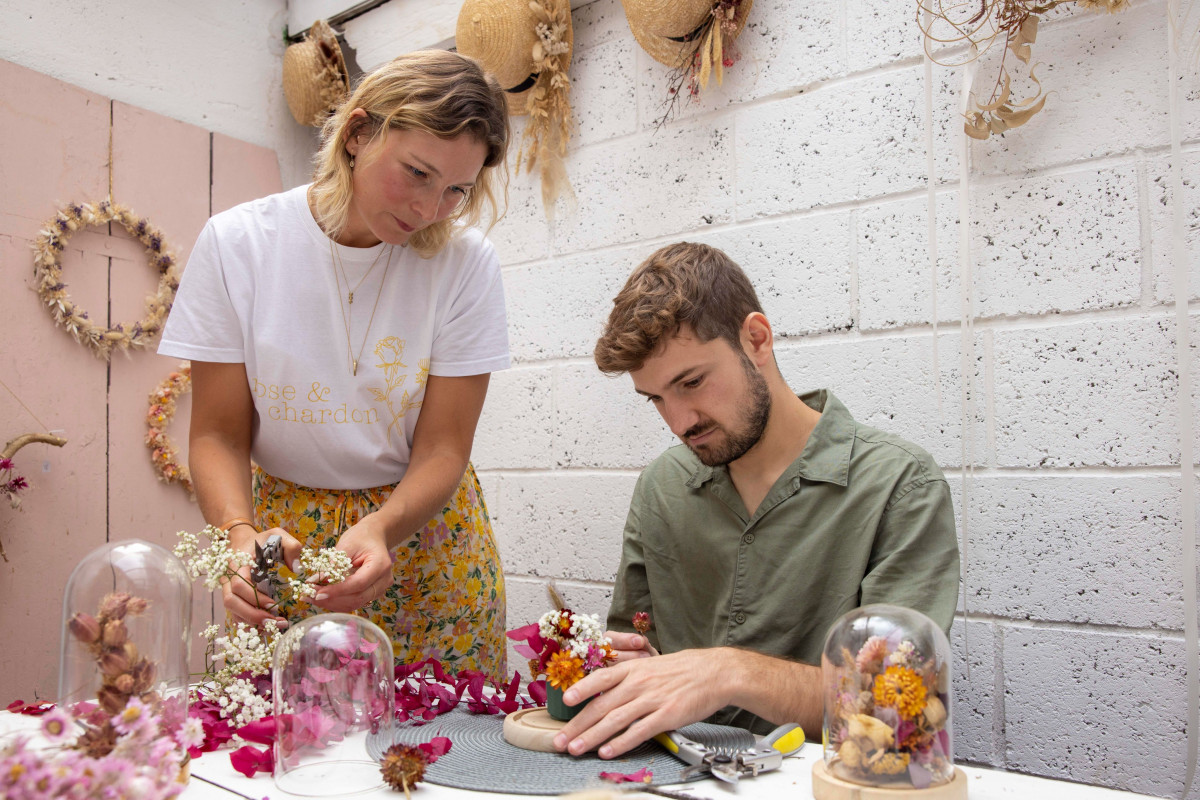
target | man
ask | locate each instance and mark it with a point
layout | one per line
(780, 515)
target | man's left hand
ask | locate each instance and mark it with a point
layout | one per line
(646, 696)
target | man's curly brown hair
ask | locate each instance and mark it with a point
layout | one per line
(680, 284)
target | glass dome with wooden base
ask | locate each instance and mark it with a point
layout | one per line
(888, 702)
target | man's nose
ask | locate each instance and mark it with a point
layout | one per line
(680, 417)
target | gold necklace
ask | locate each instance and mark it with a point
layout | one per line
(337, 258)
(350, 357)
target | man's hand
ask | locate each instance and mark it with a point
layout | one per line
(645, 696)
(628, 646)
(366, 544)
(242, 600)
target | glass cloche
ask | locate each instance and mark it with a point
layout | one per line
(333, 684)
(127, 611)
(888, 700)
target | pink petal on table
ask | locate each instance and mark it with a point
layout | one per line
(436, 747)
(643, 775)
(249, 760)
(260, 731)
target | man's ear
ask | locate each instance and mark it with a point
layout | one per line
(757, 338)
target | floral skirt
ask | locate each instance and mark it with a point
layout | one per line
(446, 600)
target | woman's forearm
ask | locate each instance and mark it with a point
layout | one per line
(219, 441)
(427, 487)
(221, 475)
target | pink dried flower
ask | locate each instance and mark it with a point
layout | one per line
(871, 654)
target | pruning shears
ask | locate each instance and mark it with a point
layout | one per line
(265, 558)
(731, 765)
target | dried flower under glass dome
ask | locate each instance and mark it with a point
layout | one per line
(886, 676)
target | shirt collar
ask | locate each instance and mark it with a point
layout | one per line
(826, 456)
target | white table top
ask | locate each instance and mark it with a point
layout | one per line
(792, 782)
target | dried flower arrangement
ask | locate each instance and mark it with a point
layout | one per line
(564, 646)
(163, 453)
(549, 103)
(48, 248)
(889, 723)
(712, 55)
(236, 685)
(1015, 22)
(132, 742)
(218, 562)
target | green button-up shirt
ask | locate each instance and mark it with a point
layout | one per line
(860, 517)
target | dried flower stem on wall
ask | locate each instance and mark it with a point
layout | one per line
(982, 24)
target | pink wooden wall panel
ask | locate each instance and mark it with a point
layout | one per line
(101, 486)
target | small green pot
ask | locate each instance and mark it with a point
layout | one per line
(557, 708)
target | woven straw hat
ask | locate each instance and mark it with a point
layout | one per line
(501, 35)
(315, 80)
(666, 28)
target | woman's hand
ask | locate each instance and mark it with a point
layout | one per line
(366, 544)
(242, 599)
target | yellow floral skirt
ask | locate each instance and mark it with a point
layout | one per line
(447, 597)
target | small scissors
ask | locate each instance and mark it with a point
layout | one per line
(265, 558)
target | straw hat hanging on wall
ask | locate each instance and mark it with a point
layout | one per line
(315, 80)
(527, 46)
(673, 31)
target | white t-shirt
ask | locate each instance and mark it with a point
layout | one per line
(260, 289)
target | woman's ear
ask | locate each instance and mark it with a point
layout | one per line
(354, 131)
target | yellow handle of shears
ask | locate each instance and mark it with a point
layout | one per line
(787, 739)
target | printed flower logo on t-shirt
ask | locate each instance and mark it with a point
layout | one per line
(390, 351)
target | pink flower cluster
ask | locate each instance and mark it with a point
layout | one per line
(11, 484)
(425, 690)
(145, 761)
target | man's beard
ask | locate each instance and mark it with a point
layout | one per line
(738, 442)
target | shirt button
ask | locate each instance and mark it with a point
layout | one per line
(748, 538)
(739, 618)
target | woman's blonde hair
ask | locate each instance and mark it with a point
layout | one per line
(436, 91)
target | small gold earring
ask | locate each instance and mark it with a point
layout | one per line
(351, 162)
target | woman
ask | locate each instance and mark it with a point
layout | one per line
(342, 335)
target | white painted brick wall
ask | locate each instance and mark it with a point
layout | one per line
(808, 167)
(1097, 707)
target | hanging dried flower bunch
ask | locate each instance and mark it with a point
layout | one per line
(712, 55)
(981, 24)
(549, 102)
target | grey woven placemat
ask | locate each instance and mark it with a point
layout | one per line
(480, 759)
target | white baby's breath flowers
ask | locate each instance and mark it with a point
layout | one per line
(585, 630)
(319, 568)
(215, 562)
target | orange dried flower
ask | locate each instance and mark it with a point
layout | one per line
(564, 670)
(902, 689)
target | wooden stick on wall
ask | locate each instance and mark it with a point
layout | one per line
(16, 444)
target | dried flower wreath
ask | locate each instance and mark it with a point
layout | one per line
(981, 24)
(549, 103)
(709, 59)
(48, 248)
(163, 452)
